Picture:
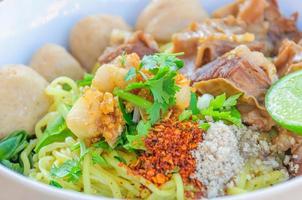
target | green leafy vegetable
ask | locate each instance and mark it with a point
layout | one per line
(131, 74)
(221, 108)
(127, 116)
(13, 144)
(56, 131)
(55, 184)
(123, 59)
(204, 126)
(218, 101)
(86, 81)
(193, 104)
(185, 115)
(98, 159)
(102, 144)
(162, 59)
(134, 99)
(135, 138)
(143, 127)
(83, 149)
(121, 159)
(162, 84)
(232, 100)
(13, 166)
(69, 170)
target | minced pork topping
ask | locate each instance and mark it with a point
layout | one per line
(222, 154)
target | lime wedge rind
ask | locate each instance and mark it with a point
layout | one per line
(287, 114)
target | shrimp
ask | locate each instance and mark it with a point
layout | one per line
(108, 77)
(95, 115)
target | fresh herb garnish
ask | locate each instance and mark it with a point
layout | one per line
(102, 144)
(135, 139)
(193, 104)
(13, 144)
(98, 159)
(222, 108)
(56, 131)
(204, 126)
(185, 115)
(86, 81)
(161, 85)
(121, 159)
(131, 74)
(69, 170)
(55, 184)
(13, 166)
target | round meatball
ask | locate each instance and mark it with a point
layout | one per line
(22, 99)
(162, 18)
(52, 61)
(91, 36)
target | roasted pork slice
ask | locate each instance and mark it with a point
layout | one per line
(140, 43)
(289, 58)
(188, 40)
(249, 71)
(240, 71)
(264, 19)
(205, 41)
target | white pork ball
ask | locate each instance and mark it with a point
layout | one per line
(22, 99)
(53, 61)
(91, 35)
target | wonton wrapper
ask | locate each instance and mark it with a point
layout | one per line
(252, 112)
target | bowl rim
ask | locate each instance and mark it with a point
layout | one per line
(56, 192)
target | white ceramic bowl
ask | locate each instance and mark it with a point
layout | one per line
(25, 25)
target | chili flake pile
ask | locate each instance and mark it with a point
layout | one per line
(169, 145)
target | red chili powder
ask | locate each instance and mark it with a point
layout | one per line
(169, 145)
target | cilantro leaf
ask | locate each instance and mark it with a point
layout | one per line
(218, 101)
(130, 74)
(162, 85)
(154, 112)
(232, 100)
(86, 81)
(185, 115)
(204, 126)
(135, 142)
(143, 127)
(222, 108)
(162, 59)
(69, 170)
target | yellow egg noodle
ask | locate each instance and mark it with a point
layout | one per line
(114, 179)
(111, 181)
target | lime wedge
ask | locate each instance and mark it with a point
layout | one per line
(283, 101)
